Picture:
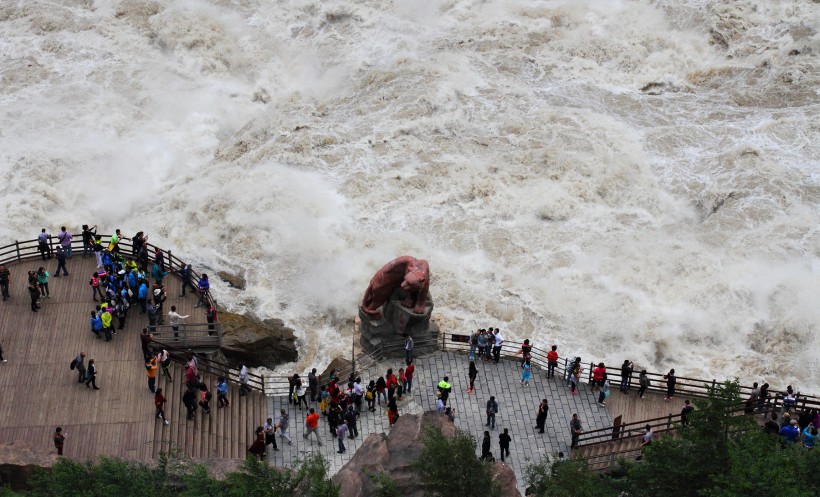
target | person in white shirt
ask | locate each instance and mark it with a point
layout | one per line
(174, 317)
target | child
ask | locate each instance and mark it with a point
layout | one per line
(526, 374)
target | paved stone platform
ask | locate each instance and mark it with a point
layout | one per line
(517, 409)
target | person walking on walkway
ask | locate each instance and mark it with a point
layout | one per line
(492, 410)
(643, 381)
(350, 418)
(42, 282)
(34, 294)
(189, 401)
(504, 440)
(2, 357)
(91, 375)
(270, 433)
(311, 425)
(165, 362)
(541, 417)
(576, 429)
(283, 424)
(151, 372)
(5, 280)
(159, 403)
(257, 448)
(341, 433)
(485, 446)
(471, 373)
(79, 365)
(59, 440)
(671, 380)
(604, 393)
(552, 361)
(60, 255)
(222, 392)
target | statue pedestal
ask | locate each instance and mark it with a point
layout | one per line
(386, 335)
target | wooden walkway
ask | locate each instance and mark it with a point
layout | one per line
(41, 393)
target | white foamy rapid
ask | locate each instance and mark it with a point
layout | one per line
(628, 179)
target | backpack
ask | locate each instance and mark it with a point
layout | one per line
(73, 364)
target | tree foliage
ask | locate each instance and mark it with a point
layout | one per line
(451, 468)
(721, 454)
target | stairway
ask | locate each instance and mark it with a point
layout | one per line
(224, 433)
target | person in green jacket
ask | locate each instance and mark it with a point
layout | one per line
(42, 282)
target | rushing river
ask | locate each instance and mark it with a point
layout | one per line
(625, 178)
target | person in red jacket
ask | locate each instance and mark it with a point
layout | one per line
(408, 375)
(552, 361)
(159, 403)
(598, 376)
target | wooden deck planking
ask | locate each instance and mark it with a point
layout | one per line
(653, 405)
(40, 391)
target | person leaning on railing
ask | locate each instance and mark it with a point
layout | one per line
(204, 285)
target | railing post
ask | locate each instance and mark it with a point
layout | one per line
(17, 247)
(669, 421)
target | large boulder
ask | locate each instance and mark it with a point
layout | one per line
(256, 343)
(393, 455)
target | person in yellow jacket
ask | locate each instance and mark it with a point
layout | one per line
(106, 319)
(151, 371)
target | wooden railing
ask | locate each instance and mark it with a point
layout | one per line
(196, 336)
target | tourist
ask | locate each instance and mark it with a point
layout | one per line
(42, 282)
(408, 347)
(91, 375)
(270, 433)
(499, 340)
(809, 436)
(473, 341)
(450, 413)
(158, 273)
(598, 375)
(174, 318)
(257, 448)
(643, 381)
(205, 397)
(43, 244)
(203, 286)
(575, 429)
(60, 255)
(485, 446)
(751, 402)
(472, 373)
(646, 440)
(789, 433)
(222, 392)
(311, 424)
(392, 413)
(65, 241)
(358, 393)
(602, 396)
(95, 282)
(313, 384)
(151, 372)
(626, 375)
(153, 314)
(671, 380)
(292, 383)
(408, 375)
(159, 403)
(370, 396)
(165, 363)
(282, 426)
(504, 440)
(444, 388)
(771, 426)
(243, 380)
(300, 394)
(492, 410)
(96, 324)
(541, 416)
(88, 239)
(381, 386)
(552, 361)
(350, 418)
(121, 311)
(525, 351)
(189, 401)
(159, 258)
(106, 319)
(5, 280)
(98, 249)
(482, 345)
(34, 294)
(59, 440)
(2, 357)
(145, 341)
(341, 433)
(789, 399)
(79, 365)
(143, 258)
(685, 411)
(526, 375)
(440, 407)
(764, 396)
(575, 375)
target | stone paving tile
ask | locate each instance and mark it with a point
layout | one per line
(517, 408)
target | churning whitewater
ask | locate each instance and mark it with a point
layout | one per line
(624, 178)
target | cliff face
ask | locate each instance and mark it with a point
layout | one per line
(19, 460)
(393, 454)
(256, 343)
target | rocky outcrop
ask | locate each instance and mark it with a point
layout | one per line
(234, 280)
(256, 343)
(19, 460)
(393, 454)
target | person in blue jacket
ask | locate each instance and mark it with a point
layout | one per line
(204, 285)
(96, 324)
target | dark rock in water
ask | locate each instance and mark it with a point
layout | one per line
(233, 280)
(794, 52)
(393, 454)
(718, 39)
(256, 343)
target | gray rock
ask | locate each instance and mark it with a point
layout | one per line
(256, 343)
